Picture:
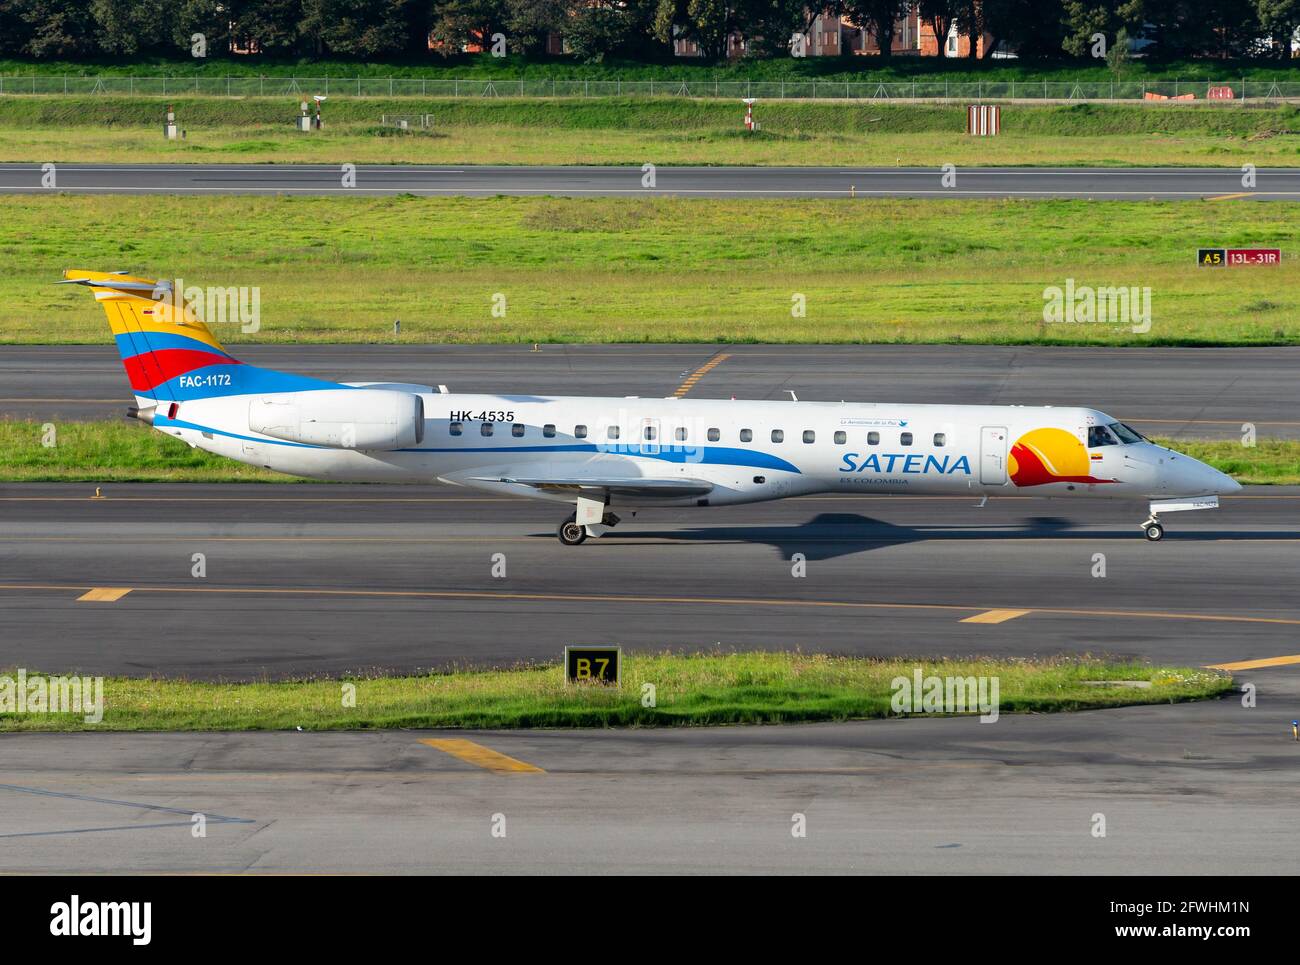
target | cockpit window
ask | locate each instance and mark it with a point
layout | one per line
(1126, 435)
(1099, 436)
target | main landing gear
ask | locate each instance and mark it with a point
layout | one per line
(571, 533)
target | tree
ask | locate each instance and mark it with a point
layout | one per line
(708, 22)
(624, 30)
(52, 28)
(1279, 18)
(528, 23)
(456, 23)
(940, 15)
(878, 17)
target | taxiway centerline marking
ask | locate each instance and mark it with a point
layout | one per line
(683, 600)
(104, 594)
(1230, 197)
(480, 756)
(699, 373)
(995, 616)
(1256, 664)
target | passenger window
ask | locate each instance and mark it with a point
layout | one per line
(649, 433)
(715, 435)
(681, 434)
(905, 439)
(485, 428)
(841, 437)
(548, 431)
(746, 435)
(517, 430)
(612, 432)
(809, 436)
(778, 435)
(873, 438)
(940, 440)
(579, 432)
(456, 428)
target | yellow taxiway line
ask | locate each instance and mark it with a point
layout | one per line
(1257, 664)
(480, 756)
(995, 616)
(650, 599)
(700, 373)
(104, 594)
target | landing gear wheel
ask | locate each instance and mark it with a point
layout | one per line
(570, 533)
(1153, 531)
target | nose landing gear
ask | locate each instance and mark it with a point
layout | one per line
(1153, 530)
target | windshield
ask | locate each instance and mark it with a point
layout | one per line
(1098, 436)
(1126, 435)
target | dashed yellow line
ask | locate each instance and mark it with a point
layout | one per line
(104, 594)
(700, 373)
(480, 756)
(644, 599)
(1256, 664)
(995, 616)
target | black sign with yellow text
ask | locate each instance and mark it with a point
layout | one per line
(592, 664)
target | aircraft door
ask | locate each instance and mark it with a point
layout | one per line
(993, 455)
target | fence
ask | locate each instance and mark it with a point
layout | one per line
(956, 90)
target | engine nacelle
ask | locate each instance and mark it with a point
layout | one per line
(376, 419)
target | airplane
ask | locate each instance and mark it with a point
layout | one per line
(598, 455)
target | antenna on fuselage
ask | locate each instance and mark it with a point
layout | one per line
(793, 397)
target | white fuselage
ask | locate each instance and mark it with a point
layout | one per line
(746, 451)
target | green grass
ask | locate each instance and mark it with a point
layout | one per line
(656, 269)
(741, 688)
(109, 129)
(100, 452)
(1275, 461)
(487, 67)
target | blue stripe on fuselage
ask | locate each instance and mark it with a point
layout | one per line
(705, 455)
(215, 381)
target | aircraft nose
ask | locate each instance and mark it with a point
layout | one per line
(1210, 480)
(1227, 484)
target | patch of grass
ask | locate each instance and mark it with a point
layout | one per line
(485, 66)
(657, 269)
(630, 131)
(131, 452)
(694, 690)
(1275, 461)
(111, 452)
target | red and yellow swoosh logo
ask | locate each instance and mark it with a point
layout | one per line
(1050, 455)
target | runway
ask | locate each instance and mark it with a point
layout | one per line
(306, 579)
(1178, 392)
(717, 182)
(1192, 789)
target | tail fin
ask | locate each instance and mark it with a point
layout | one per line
(168, 353)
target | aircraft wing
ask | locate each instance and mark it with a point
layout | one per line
(618, 485)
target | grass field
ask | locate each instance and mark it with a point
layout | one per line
(743, 688)
(101, 452)
(488, 67)
(106, 129)
(657, 269)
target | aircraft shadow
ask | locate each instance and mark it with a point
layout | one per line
(830, 535)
